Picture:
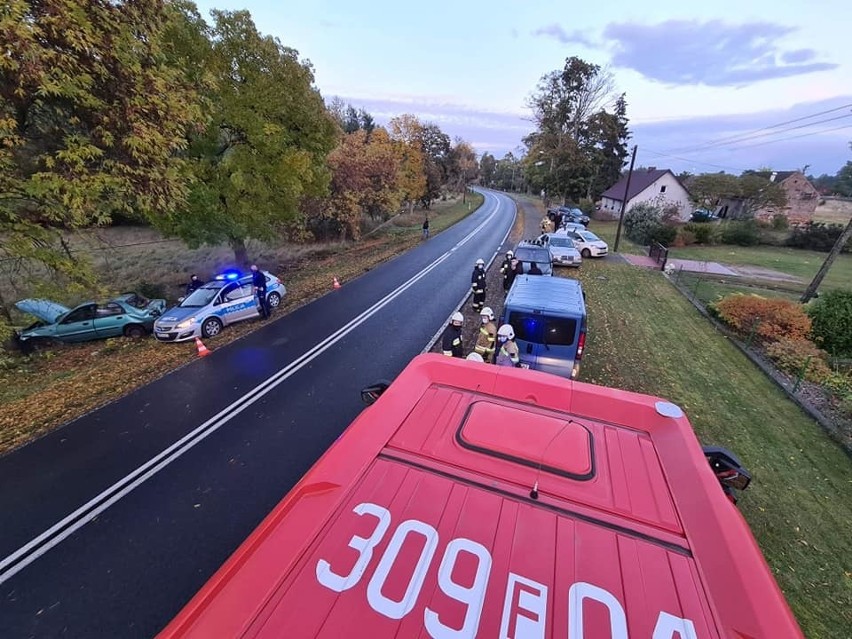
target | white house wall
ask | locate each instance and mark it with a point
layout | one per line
(673, 195)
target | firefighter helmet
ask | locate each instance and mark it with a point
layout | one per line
(475, 357)
(487, 312)
(480, 262)
(457, 317)
(506, 331)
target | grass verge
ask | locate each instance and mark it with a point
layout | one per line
(796, 262)
(44, 391)
(644, 336)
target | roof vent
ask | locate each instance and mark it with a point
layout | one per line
(652, 168)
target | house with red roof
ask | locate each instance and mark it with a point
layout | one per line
(659, 187)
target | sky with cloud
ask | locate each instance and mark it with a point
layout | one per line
(728, 85)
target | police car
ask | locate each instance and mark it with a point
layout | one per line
(227, 299)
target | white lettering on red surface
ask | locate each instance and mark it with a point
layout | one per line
(581, 591)
(524, 609)
(472, 596)
(668, 625)
(398, 609)
(339, 583)
(525, 605)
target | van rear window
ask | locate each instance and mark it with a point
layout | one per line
(539, 329)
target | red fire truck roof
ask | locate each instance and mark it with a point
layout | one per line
(479, 501)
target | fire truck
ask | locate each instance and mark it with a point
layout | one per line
(470, 500)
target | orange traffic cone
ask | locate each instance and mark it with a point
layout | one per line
(336, 284)
(201, 348)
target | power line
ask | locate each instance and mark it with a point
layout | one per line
(691, 161)
(730, 138)
(794, 137)
(763, 135)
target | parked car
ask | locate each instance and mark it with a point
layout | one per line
(703, 215)
(527, 252)
(130, 314)
(566, 214)
(562, 251)
(548, 316)
(589, 244)
(206, 311)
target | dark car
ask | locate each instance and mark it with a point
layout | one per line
(565, 214)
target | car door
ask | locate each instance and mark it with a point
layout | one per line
(236, 302)
(110, 319)
(78, 325)
(578, 240)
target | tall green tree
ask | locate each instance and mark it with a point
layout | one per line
(93, 119)
(487, 168)
(578, 146)
(607, 138)
(265, 148)
(843, 181)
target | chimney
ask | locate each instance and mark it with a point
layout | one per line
(773, 176)
(652, 168)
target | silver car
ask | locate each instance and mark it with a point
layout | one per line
(562, 251)
(206, 311)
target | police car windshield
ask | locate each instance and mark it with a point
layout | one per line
(202, 296)
(588, 236)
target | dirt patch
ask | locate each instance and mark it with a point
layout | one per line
(765, 274)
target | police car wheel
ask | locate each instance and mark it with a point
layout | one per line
(211, 327)
(273, 300)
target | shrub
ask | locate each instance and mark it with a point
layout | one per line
(817, 236)
(740, 233)
(780, 222)
(790, 355)
(770, 318)
(644, 225)
(684, 237)
(151, 290)
(831, 318)
(703, 233)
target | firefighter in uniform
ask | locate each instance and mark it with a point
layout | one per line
(487, 335)
(507, 354)
(506, 270)
(477, 285)
(451, 340)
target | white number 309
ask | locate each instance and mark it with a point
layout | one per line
(533, 619)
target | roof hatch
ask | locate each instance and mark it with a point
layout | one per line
(559, 446)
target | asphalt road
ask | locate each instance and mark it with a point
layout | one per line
(111, 523)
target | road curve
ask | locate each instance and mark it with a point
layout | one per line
(111, 523)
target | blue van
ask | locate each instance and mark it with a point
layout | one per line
(548, 315)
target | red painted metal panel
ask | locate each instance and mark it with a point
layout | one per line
(404, 528)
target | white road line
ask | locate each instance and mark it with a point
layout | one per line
(54, 535)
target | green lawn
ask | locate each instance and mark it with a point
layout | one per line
(803, 264)
(711, 289)
(644, 336)
(607, 230)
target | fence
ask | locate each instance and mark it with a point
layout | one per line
(659, 253)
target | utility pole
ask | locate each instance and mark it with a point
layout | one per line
(626, 197)
(823, 270)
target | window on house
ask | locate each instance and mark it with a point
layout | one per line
(663, 188)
